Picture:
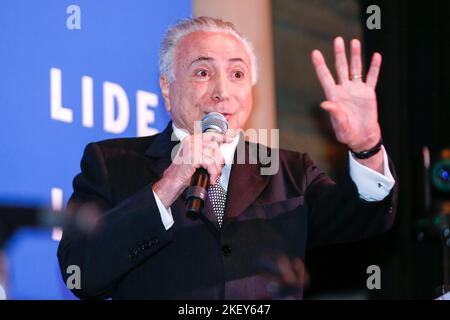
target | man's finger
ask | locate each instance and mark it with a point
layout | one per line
(301, 273)
(287, 273)
(323, 73)
(208, 162)
(329, 106)
(355, 59)
(218, 158)
(216, 137)
(336, 114)
(214, 170)
(231, 134)
(341, 60)
(212, 136)
(212, 177)
(213, 159)
(374, 70)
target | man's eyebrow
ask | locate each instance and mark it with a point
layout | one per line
(200, 59)
(205, 58)
(237, 60)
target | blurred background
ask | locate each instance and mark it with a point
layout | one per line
(73, 72)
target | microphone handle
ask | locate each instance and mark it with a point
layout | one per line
(196, 194)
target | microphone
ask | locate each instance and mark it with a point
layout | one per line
(196, 194)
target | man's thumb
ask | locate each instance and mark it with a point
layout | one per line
(329, 106)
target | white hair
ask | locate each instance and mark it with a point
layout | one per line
(200, 24)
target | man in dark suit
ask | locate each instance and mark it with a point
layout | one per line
(145, 246)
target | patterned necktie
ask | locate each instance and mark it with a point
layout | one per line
(218, 196)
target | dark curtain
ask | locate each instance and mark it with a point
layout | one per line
(414, 110)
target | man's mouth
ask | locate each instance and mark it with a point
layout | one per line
(225, 114)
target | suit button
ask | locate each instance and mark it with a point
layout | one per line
(154, 241)
(226, 249)
(390, 210)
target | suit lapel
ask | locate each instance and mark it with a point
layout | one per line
(159, 151)
(246, 181)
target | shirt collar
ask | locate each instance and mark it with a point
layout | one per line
(227, 149)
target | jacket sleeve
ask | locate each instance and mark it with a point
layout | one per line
(123, 236)
(336, 213)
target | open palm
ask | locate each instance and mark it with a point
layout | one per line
(351, 103)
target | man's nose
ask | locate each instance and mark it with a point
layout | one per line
(220, 92)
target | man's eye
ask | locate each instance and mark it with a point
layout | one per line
(238, 74)
(202, 73)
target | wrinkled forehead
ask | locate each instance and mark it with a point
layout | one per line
(218, 46)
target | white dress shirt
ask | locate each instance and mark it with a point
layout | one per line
(371, 185)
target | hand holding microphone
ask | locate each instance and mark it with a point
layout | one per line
(213, 122)
(197, 162)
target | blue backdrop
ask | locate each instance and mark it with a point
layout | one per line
(72, 72)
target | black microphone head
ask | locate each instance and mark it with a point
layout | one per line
(215, 121)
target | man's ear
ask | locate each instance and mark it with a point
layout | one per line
(164, 84)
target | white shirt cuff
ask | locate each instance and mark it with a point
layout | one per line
(371, 185)
(166, 214)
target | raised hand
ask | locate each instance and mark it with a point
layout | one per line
(351, 103)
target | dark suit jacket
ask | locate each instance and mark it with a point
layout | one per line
(130, 255)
